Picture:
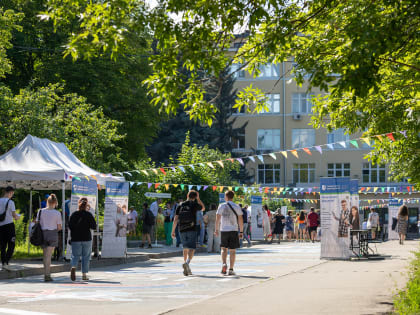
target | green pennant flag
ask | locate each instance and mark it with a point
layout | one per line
(355, 143)
(182, 186)
(284, 192)
(77, 178)
(383, 189)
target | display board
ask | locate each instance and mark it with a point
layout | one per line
(257, 232)
(335, 217)
(393, 207)
(82, 188)
(114, 242)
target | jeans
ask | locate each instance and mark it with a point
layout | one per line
(200, 233)
(246, 236)
(213, 242)
(81, 250)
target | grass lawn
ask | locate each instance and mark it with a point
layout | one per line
(21, 251)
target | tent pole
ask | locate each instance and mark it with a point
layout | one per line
(29, 221)
(97, 224)
(63, 226)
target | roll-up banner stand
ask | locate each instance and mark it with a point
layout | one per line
(393, 207)
(257, 232)
(354, 200)
(82, 188)
(114, 242)
(335, 218)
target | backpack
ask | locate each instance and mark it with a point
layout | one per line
(186, 217)
(3, 215)
(149, 218)
(37, 238)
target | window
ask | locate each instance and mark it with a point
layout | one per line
(238, 142)
(268, 139)
(302, 138)
(338, 169)
(273, 103)
(337, 136)
(301, 103)
(234, 68)
(268, 71)
(373, 173)
(304, 173)
(269, 173)
(238, 45)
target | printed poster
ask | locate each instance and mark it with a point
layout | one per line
(82, 188)
(257, 232)
(393, 207)
(114, 241)
(335, 217)
(354, 202)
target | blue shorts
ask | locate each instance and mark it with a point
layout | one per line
(189, 239)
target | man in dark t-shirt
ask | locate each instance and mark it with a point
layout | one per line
(313, 224)
(185, 217)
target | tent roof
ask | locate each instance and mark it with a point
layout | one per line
(43, 164)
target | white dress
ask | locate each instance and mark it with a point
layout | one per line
(266, 223)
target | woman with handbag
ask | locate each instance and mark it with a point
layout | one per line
(402, 223)
(50, 221)
(81, 223)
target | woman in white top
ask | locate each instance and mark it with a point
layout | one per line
(50, 220)
(266, 223)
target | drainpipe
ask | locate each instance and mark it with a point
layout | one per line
(284, 123)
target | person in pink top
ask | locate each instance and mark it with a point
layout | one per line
(313, 224)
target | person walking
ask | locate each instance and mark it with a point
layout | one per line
(302, 226)
(289, 225)
(312, 224)
(266, 222)
(148, 222)
(278, 220)
(154, 207)
(178, 236)
(200, 226)
(296, 226)
(213, 242)
(373, 222)
(229, 216)
(185, 217)
(50, 220)
(7, 226)
(402, 223)
(81, 223)
(132, 221)
(245, 220)
(167, 222)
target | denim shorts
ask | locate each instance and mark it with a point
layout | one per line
(189, 239)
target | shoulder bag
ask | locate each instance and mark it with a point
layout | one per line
(37, 238)
(3, 215)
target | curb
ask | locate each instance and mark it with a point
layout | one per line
(94, 263)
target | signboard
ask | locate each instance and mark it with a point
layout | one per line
(158, 195)
(82, 188)
(393, 207)
(257, 231)
(284, 210)
(114, 243)
(335, 217)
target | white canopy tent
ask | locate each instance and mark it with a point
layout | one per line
(41, 164)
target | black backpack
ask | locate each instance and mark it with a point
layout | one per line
(37, 238)
(186, 216)
(149, 217)
(3, 215)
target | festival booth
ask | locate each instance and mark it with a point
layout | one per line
(41, 164)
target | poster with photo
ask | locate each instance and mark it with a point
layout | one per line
(114, 241)
(335, 217)
(355, 219)
(393, 207)
(82, 188)
(257, 232)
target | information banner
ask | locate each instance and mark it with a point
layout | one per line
(82, 188)
(393, 207)
(354, 202)
(257, 232)
(335, 217)
(114, 242)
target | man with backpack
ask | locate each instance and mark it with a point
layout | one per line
(185, 217)
(148, 223)
(7, 227)
(229, 220)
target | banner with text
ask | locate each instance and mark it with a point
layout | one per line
(393, 207)
(82, 188)
(335, 217)
(257, 232)
(114, 243)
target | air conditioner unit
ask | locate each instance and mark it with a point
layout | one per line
(297, 116)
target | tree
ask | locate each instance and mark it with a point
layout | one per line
(363, 54)
(48, 112)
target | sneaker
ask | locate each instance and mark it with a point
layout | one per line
(73, 274)
(189, 270)
(141, 246)
(48, 279)
(224, 269)
(186, 268)
(85, 277)
(150, 246)
(204, 246)
(231, 272)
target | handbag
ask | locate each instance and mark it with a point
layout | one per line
(3, 215)
(37, 238)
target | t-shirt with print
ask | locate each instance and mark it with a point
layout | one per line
(229, 220)
(10, 208)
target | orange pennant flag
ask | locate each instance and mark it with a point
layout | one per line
(214, 188)
(390, 136)
(379, 137)
(307, 151)
(94, 177)
(163, 170)
(266, 189)
(157, 185)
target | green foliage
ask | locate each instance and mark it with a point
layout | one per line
(48, 112)
(21, 251)
(8, 23)
(407, 301)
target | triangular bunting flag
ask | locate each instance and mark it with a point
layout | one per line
(366, 140)
(404, 133)
(220, 163)
(284, 153)
(94, 177)
(331, 146)
(343, 144)
(240, 161)
(379, 137)
(205, 187)
(157, 185)
(128, 173)
(294, 152)
(221, 188)
(163, 170)
(266, 189)
(182, 186)
(354, 143)
(167, 186)
(273, 156)
(198, 187)
(192, 166)
(175, 185)
(375, 189)
(149, 185)
(155, 171)
(251, 158)
(210, 164)
(181, 168)
(236, 188)
(145, 172)
(390, 136)
(307, 151)
(319, 149)
(190, 187)
(87, 177)
(261, 158)
(173, 168)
